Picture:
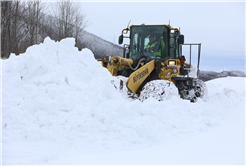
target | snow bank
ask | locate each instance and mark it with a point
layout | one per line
(53, 84)
(54, 93)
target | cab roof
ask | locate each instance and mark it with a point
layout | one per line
(156, 25)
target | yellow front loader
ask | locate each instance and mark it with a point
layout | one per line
(155, 53)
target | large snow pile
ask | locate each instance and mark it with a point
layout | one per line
(56, 98)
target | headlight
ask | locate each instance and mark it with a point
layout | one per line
(172, 31)
(125, 31)
(171, 64)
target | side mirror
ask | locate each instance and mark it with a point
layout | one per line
(181, 39)
(120, 39)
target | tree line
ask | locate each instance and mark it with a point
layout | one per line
(25, 23)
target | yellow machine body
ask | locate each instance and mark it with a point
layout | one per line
(115, 64)
(154, 53)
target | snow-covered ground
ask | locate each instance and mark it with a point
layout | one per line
(59, 106)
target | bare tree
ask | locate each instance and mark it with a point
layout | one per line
(70, 19)
(6, 17)
(80, 23)
(11, 26)
(23, 23)
(33, 17)
(18, 31)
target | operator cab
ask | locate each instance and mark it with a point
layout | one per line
(154, 42)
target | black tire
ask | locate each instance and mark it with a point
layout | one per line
(198, 91)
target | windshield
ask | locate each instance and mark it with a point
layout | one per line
(152, 41)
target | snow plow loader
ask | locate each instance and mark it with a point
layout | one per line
(155, 53)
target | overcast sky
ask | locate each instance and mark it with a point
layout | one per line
(219, 26)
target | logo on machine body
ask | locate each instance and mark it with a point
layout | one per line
(140, 75)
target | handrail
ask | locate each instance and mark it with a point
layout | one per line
(199, 54)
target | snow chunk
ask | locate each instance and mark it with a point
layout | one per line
(159, 89)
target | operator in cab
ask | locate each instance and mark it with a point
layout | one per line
(152, 46)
